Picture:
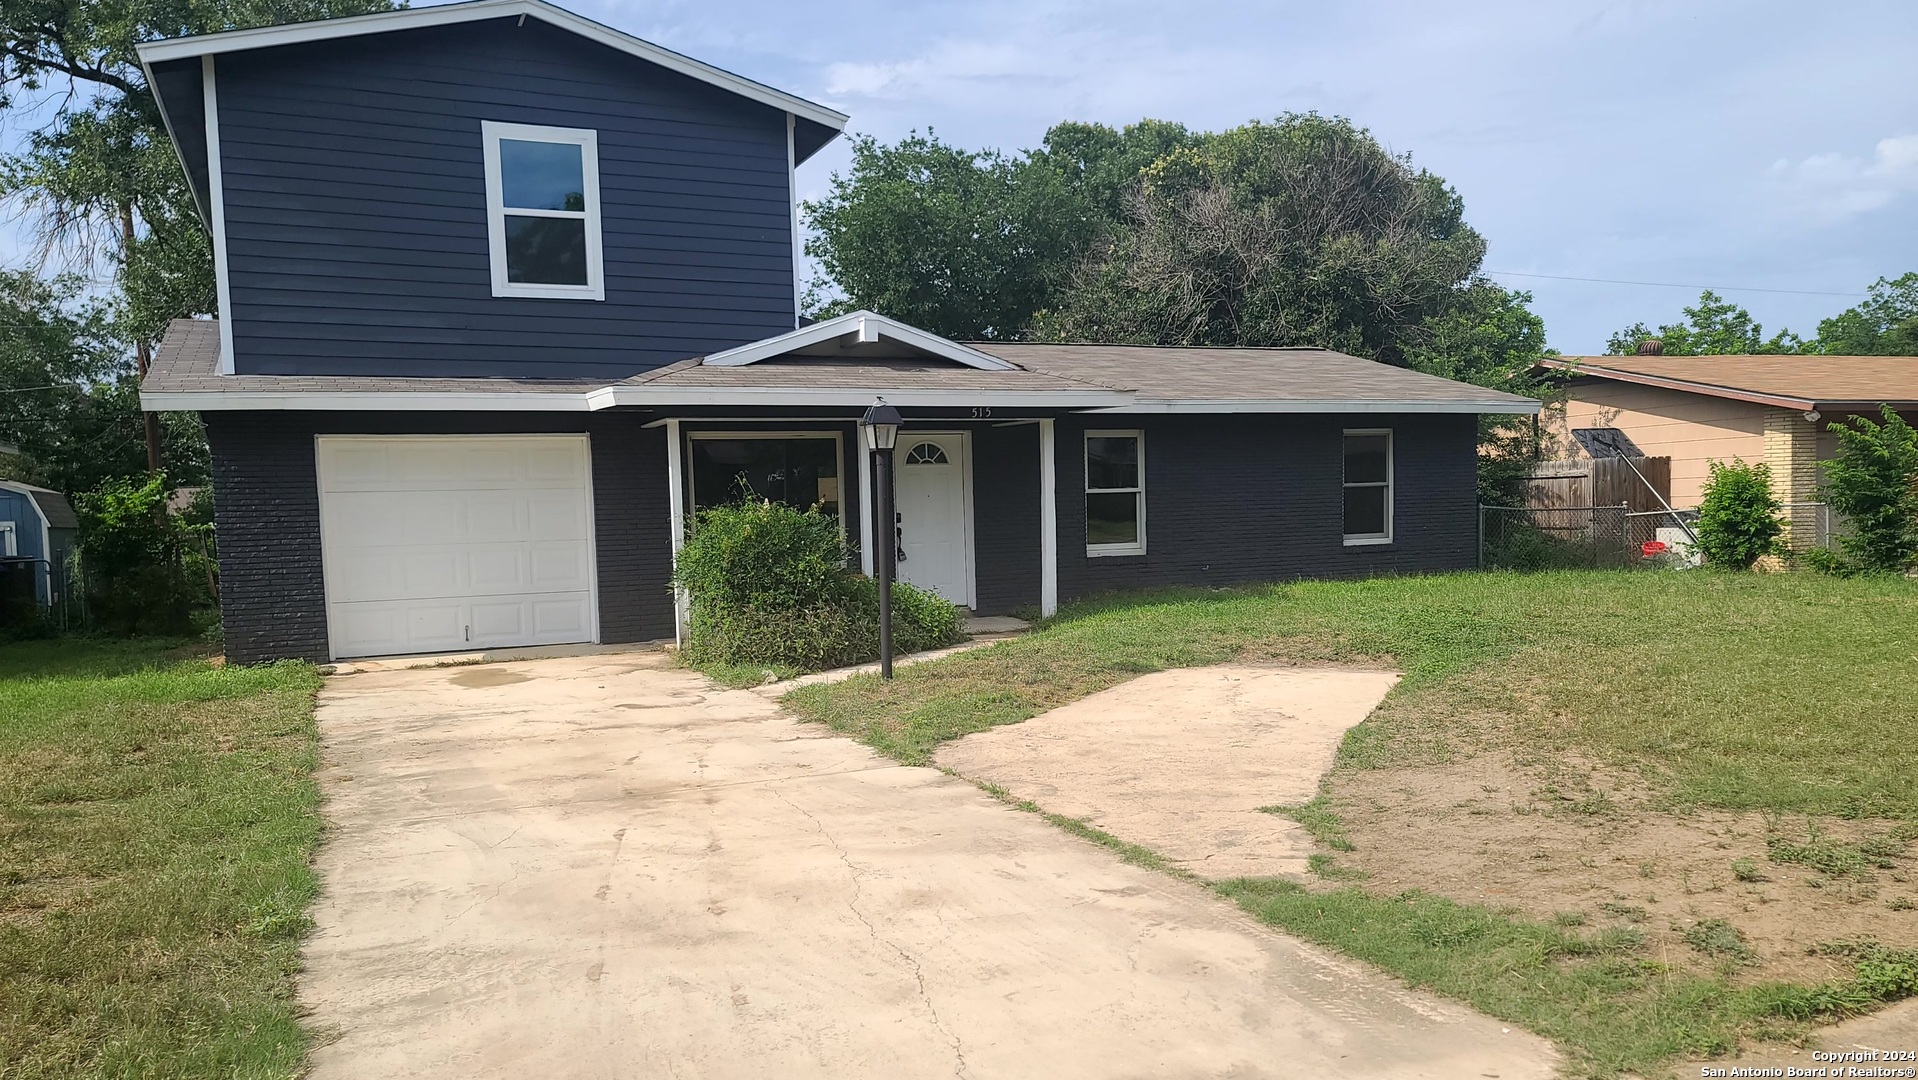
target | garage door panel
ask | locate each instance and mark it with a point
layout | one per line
(435, 544)
(561, 618)
(556, 567)
(558, 515)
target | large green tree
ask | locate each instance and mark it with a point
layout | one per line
(95, 174)
(1302, 231)
(1715, 327)
(965, 243)
(1886, 324)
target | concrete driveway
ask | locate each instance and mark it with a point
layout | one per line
(602, 866)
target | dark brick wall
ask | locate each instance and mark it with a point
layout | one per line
(1238, 498)
(266, 510)
(1005, 518)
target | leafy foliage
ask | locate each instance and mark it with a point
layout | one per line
(68, 398)
(1302, 231)
(1738, 520)
(1716, 327)
(964, 243)
(137, 559)
(769, 586)
(1886, 324)
(1873, 483)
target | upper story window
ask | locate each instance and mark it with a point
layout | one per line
(542, 210)
(1368, 486)
(1115, 493)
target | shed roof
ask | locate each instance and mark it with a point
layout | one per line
(1789, 381)
(52, 505)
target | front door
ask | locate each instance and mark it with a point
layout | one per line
(935, 547)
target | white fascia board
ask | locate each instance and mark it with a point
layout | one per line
(1233, 405)
(611, 397)
(372, 401)
(655, 395)
(869, 327)
(154, 52)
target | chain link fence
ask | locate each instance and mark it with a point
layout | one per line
(1565, 537)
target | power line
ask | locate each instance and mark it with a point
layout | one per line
(1672, 284)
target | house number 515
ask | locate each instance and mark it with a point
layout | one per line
(982, 412)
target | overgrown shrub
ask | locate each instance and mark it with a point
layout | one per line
(134, 559)
(1873, 483)
(769, 585)
(1738, 520)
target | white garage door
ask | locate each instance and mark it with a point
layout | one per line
(438, 544)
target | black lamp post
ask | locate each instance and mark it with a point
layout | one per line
(882, 427)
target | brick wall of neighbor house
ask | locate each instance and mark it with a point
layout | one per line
(1691, 429)
(267, 514)
(1238, 498)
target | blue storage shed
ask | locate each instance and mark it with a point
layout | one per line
(37, 528)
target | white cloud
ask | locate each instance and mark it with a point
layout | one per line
(1833, 187)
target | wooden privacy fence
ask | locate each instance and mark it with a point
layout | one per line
(1554, 485)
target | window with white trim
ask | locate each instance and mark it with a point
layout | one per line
(1368, 486)
(542, 211)
(1115, 493)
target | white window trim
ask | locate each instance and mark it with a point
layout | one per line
(1093, 550)
(9, 545)
(1391, 455)
(491, 132)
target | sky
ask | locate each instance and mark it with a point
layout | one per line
(1768, 150)
(1757, 145)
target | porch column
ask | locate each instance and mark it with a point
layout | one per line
(1048, 521)
(676, 520)
(1791, 450)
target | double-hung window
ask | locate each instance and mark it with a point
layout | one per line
(1368, 486)
(1115, 493)
(542, 211)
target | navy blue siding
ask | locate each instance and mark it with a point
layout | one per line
(356, 207)
(267, 513)
(1005, 518)
(1234, 499)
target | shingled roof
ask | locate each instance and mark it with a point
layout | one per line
(1788, 382)
(1128, 378)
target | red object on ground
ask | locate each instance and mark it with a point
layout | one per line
(1653, 547)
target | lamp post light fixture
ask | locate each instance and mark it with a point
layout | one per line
(881, 423)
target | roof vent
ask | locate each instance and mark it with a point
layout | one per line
(1651, 346)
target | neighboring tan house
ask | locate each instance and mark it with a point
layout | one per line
(1699, 409)
(507, 296)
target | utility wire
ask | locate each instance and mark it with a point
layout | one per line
(1671, 284)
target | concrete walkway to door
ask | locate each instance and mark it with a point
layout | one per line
(602, 866)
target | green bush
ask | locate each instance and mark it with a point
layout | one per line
(1873, 483)
(770, 586)
(1738, 517)
(134, 559)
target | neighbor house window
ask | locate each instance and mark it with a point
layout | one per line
(799, 470)
(1368, 487)
(1115, 493)
(542, 208)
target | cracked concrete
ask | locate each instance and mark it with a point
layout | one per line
(609, 868)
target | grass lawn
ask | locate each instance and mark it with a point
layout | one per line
(156, 817)
(1780, 693)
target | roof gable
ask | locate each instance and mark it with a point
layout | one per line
(156, 52)
(856, 333)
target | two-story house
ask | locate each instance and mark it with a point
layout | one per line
(506, 295)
